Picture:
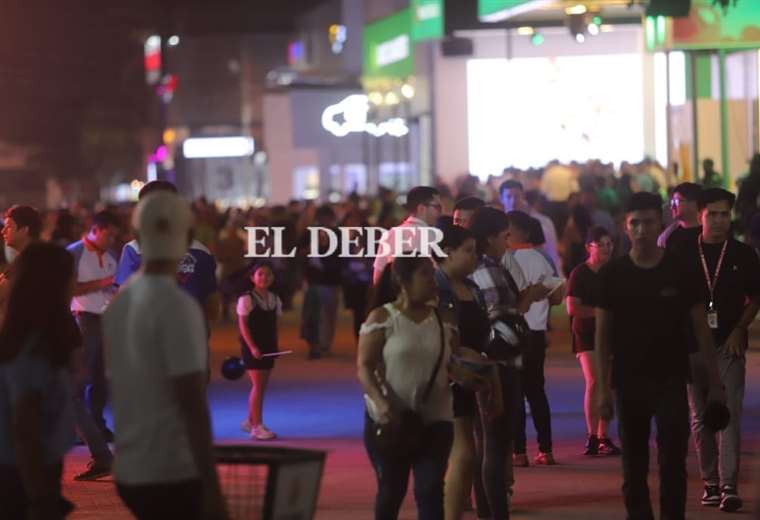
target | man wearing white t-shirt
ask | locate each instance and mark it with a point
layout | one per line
(156, 353)
(536, 268)
(95, 265)
(424, 206)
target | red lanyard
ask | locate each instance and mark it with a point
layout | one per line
(711, 283)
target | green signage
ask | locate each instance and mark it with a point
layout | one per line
(388, 47)
(498, 10)
(427, 19)
(709, 26)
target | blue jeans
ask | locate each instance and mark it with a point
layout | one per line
(429, 468)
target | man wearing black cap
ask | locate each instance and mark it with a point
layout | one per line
(648, 300)
(728, 273)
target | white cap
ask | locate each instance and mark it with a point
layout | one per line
(163, 221)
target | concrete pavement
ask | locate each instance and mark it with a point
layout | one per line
(318, 404)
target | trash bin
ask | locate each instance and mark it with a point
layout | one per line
(269, 483)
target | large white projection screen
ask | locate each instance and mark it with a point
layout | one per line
(526, 112)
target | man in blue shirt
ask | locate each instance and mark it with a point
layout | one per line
(197, 269)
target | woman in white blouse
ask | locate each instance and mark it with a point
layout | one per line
(399, 345)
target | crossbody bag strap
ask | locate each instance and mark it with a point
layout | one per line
(429, 387)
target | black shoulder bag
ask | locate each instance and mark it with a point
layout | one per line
(401, 437)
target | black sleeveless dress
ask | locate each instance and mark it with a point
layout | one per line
(262, 324)
(474, 329)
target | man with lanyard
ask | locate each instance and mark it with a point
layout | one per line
(196, 272)
(95, 265)
(729, 273)
(685, 226)
(647, 301)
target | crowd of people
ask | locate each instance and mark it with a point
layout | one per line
(449, 348)
(660, 333)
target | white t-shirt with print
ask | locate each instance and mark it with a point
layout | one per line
(154, 332)
(535, 268)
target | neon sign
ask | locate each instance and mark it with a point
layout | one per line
(354, 109)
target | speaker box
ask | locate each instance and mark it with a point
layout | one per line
(675, 8)
(456, 47)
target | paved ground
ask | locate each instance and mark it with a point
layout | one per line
(318, 405)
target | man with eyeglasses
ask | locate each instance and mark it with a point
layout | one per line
(686, 227)
(424, 206)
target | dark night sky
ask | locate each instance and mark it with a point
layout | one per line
(64, 62)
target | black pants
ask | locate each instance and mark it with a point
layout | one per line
(428, 466)
(163, 501)
(533, 385)
(95, 391)
(494, 440)
(13, 499)
(637, 403)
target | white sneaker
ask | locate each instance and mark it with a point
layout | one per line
(262, 433)
(245, 426)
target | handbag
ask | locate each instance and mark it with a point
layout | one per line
(509, 337)
(403, 435)
(509, 332)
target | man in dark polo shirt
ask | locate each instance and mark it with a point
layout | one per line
(728, 275)
(647, 301)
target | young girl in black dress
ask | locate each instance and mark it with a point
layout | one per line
(258, 311)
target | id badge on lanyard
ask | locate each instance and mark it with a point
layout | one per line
(712, 313)
(712, 317)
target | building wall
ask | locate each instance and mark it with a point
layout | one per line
(278, 133)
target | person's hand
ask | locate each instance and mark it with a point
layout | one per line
(736, 344)
(255, 352)
(107, 282)
(214, 505)
(384, 412)
(605, 408)
(538, 292)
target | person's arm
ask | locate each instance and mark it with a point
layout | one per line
(603, 344)
(369, 363)
(93, 286)
(577, 309)
(707, 352)
(531, 294)
(736, 343)
(190, 392)
(556, 296)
